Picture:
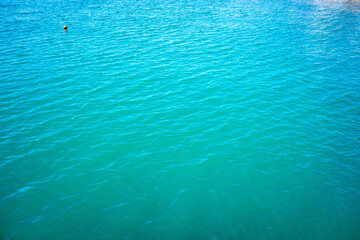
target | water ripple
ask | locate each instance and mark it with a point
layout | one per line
(207, 119)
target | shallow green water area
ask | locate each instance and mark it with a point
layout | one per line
(180, 119)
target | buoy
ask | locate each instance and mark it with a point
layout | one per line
(65, 27)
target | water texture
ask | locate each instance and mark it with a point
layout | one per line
(164, 119)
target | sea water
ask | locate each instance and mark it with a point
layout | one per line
(180, 119)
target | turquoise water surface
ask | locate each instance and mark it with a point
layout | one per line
(186, 119)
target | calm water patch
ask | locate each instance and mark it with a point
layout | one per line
(180, 119)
